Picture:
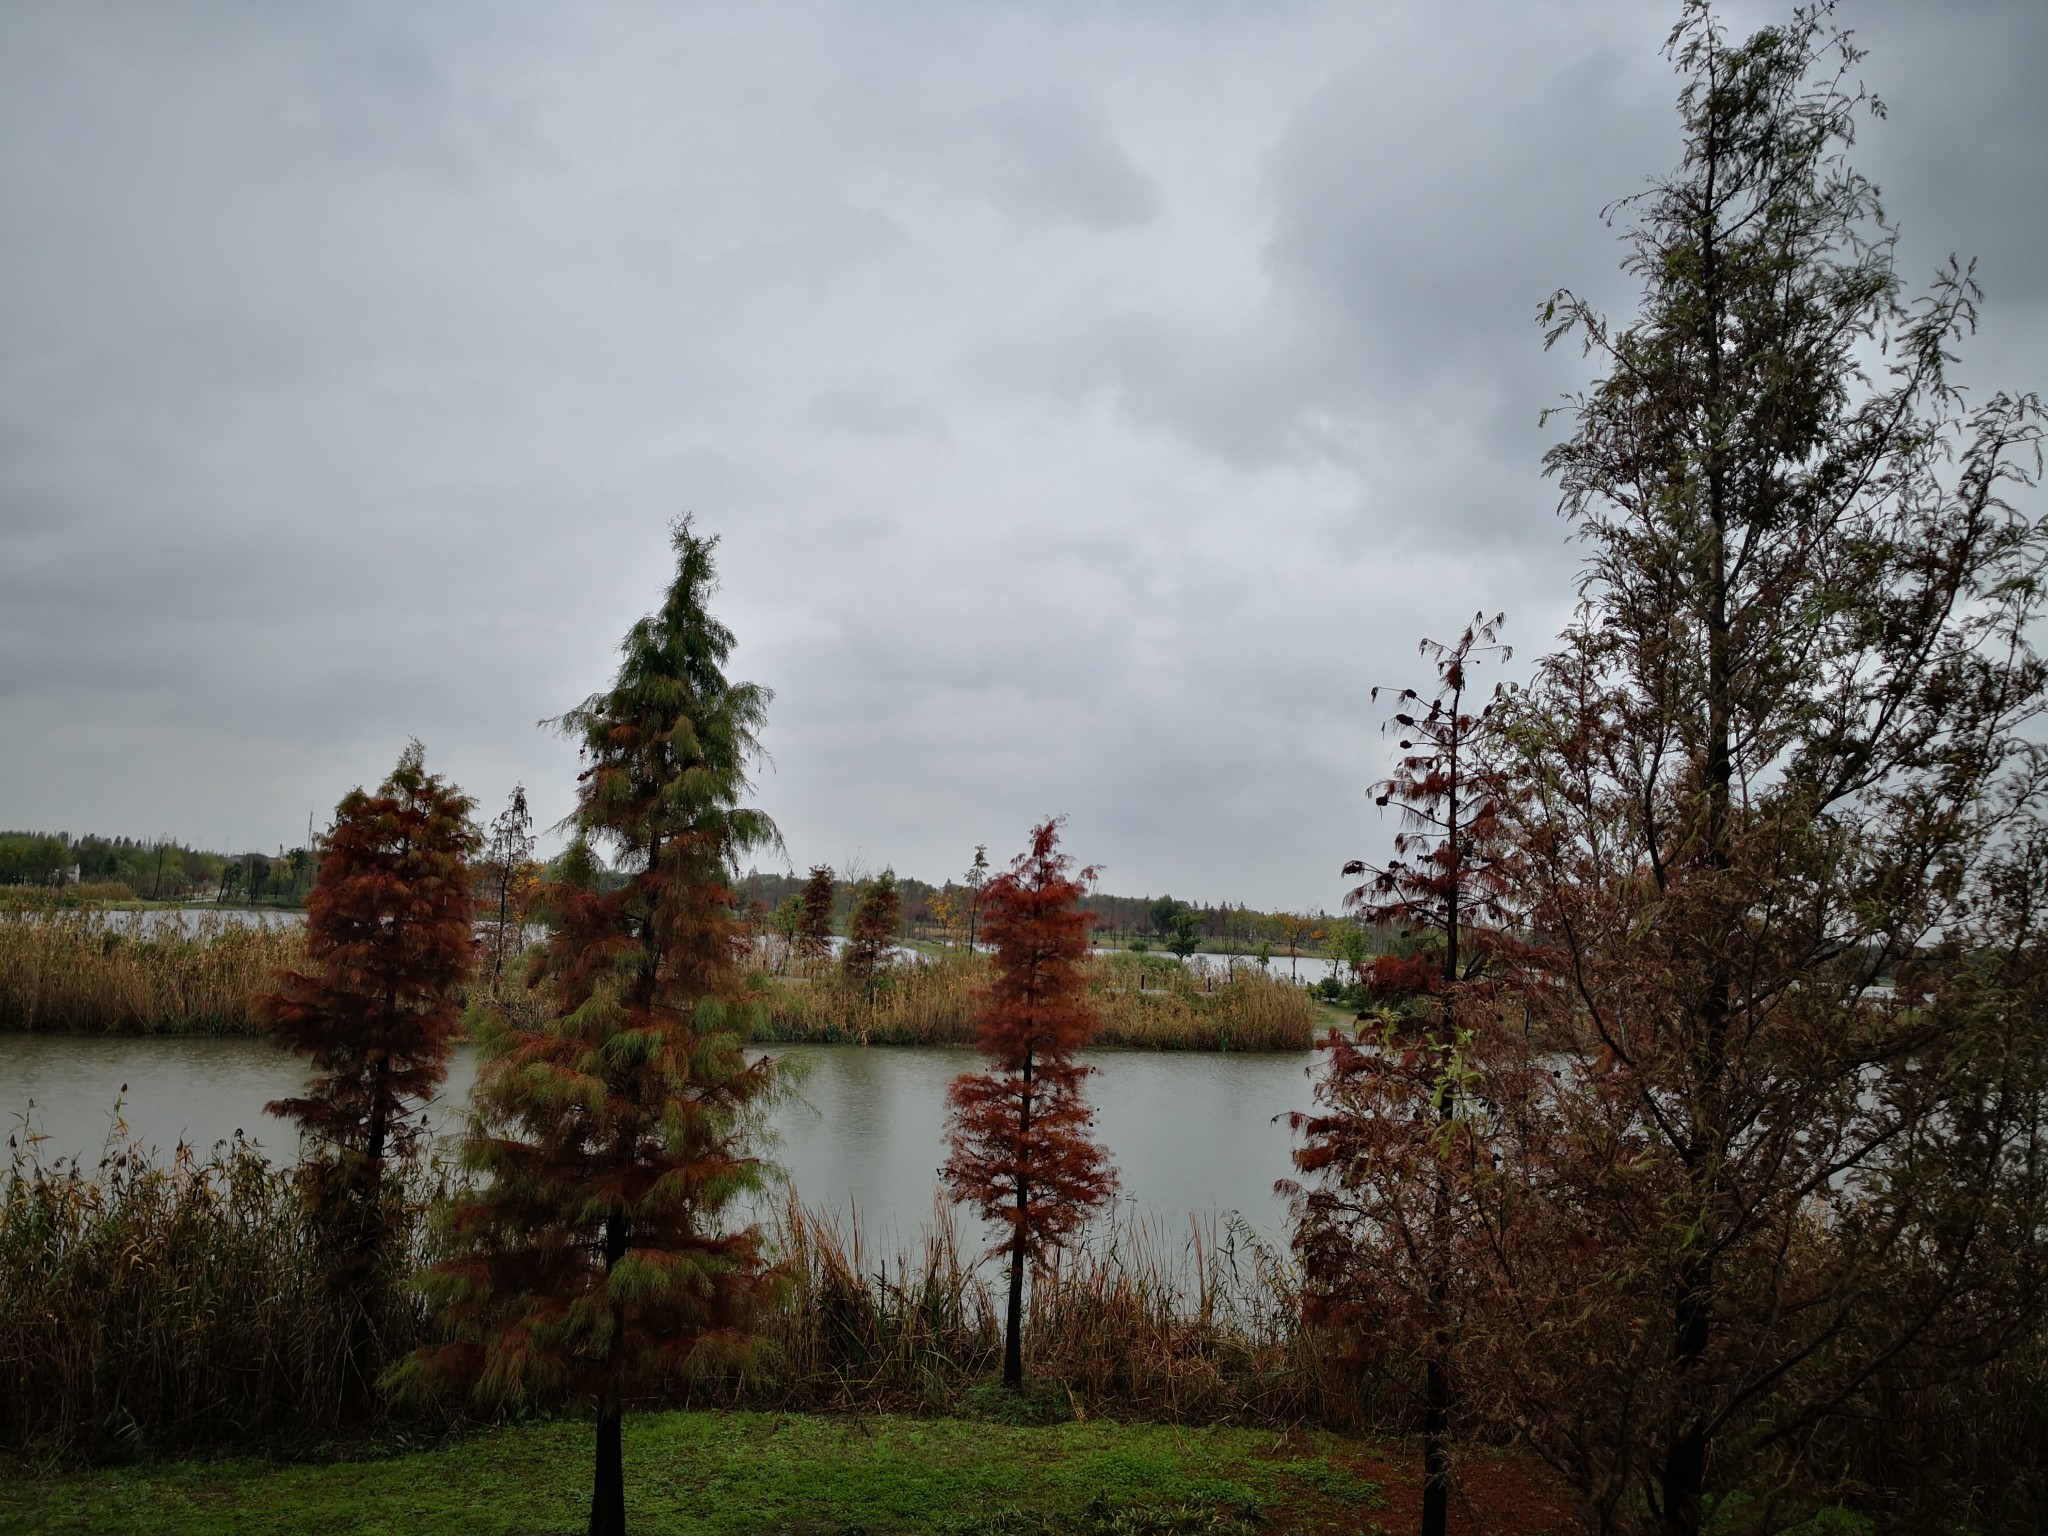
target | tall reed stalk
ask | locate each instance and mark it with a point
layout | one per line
(84, 970)
(1132, 1323)
(146, 1305)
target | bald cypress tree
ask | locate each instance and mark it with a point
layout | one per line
(814, 922)
(599, 1256)
(374, 1011)
(1019, 1147)
(1777, 1174)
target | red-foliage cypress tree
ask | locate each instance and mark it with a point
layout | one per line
(814, 920)
(597, 1260)
(388, 945)
(1375, 1234)
(1018, 1144)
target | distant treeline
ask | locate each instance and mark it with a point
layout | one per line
(164, 869)
(942, 913)
(153, 869)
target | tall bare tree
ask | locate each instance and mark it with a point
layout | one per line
(508, 849)
(1778, 765)
(1375, 1230)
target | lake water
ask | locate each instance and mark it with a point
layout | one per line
(1196, 1135)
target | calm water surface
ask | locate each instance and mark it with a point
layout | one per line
(1192, 1134)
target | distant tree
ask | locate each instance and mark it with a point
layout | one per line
(1350, 951)
(948, 906)
(1162, 912)
(508, 851)
(297, 863)
(1297, 931)
(388, 946)
(198, 868)
(1375, 1232)
(1183, 933)
(871, 931)
(1018, 1144)
(977, 881)
(597, 1256)
(814, 928)
(788, 922)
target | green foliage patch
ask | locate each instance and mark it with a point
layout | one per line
(736, 1474)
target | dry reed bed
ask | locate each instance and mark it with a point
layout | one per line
(1144, 1005)
(86, 970)
(83, 970)
(148, 1306)
(1130, 1324)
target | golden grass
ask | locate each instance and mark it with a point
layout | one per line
(87, 970)
(91, 971)
(1162, 1005)
(929, 1002)
(1146, 1004)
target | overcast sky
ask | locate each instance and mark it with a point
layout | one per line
(1094, 400)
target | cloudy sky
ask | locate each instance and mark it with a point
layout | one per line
(1094, 400)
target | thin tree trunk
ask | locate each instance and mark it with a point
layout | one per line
(608, 1483)
(1683, 1475)
(504, 902)
(1436, 1377)
(1436, 1422)
(608, 1487)
(360, 1267)
(1013, 1322)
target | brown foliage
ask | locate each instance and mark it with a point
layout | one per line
(1377, 1231)
(388, 944)
(588, 1271)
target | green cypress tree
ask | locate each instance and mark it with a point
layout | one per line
(598, 1257)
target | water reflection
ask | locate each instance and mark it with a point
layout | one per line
(1191, 1133)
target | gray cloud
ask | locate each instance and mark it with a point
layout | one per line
(1095, 404)
(1049, 154)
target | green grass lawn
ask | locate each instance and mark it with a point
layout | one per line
(736, 1474)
